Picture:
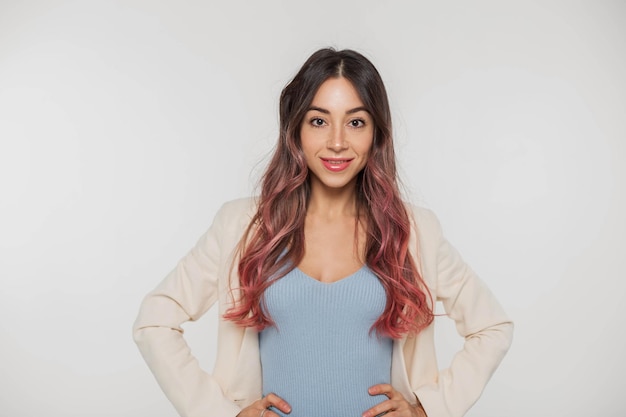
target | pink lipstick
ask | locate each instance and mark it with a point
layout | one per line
(336, 164)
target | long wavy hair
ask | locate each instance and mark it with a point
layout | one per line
(274, 241)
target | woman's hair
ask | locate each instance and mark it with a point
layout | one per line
(274, 241)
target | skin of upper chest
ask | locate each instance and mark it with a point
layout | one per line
(331, 250)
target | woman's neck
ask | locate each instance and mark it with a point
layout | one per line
(332, 203)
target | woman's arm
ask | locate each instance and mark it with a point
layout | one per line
(184, 295)
(479, 319)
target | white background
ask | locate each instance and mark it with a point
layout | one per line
(124, 125)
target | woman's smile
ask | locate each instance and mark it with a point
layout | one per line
(336, 164)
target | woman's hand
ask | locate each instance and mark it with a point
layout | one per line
(259, 408)
(395, 406)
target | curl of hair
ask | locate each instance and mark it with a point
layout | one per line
(274, 240)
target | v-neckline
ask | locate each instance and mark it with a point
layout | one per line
(347, 277)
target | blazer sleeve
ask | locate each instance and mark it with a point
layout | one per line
(479, 319)
(184, 295)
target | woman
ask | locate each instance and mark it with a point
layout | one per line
(326, 282)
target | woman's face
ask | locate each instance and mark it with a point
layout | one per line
(336, 135)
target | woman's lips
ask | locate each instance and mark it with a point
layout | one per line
(336, 164)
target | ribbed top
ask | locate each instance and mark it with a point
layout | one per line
(321, 357)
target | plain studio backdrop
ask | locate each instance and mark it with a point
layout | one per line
(124, 125)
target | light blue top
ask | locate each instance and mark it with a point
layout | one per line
(322, 357)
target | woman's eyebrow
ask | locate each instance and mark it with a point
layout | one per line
(351, 111)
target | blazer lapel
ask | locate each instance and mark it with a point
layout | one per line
(399, 377)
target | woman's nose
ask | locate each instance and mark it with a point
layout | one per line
(337, 140)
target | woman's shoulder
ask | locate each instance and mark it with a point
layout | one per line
(240, 205)
(236, 213)
(422, 216)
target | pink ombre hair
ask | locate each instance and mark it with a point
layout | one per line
(274, 240)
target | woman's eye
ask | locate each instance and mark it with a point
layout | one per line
(357, 123)
(317, 122)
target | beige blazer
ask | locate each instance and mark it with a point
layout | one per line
(201, 278)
